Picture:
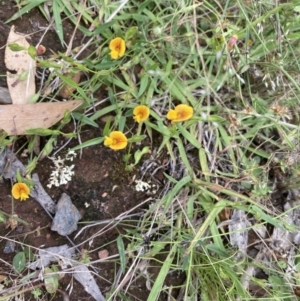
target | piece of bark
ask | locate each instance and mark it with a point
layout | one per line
(41, 196)
(85, 278)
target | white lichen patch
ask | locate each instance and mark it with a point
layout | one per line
(145, 187)
(63, 173)
(141, 186)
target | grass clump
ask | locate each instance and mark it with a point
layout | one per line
(217, 220)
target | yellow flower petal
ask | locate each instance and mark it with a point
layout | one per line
(108, 141)
(172, 115)
(141, 113)
(114, 54)
(117, 47)
(116, 140)
(181, 112)
(20, 191)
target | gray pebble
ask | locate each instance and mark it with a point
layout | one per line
(66, 216)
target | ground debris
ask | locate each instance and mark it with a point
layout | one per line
(53, 254)
(283, 240)
(84, 277)
(4, 96)
(238, 230)
(9, 165)
(63, 255)
(66, 217)
(23, 65)
(41, 196)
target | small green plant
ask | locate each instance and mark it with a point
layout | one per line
(36, 293)
(21, 258)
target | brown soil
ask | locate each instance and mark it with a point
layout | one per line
(101, 188)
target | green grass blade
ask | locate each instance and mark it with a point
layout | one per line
(158, 284)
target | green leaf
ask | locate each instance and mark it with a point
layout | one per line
(19, 262)
(261, 215)
(57, 18)
(297, 9)
(106, 129)
(139, 153)
(137, 138)
(131, 31)
(176, 190)
(30, 256)
(16, 47)
(84, 119)
(32, 51)
(160, 280)
(43, 132)
(104, 29)
(51, 281)
(37, 292)
(121, 249)
(106, 110)
(126, 158)
(143, 85)
(67, 80)
(186, 134)
(34, 98)
(25, 9)
(88, 143)
(2, 217)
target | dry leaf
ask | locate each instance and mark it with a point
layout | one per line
(12, 222)
(16, 119)
(21, 85)
(2, 278)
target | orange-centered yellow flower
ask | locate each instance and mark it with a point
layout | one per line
(180, 113)
(116, 140)
(20, 191)
(117, 47)
(141, 113)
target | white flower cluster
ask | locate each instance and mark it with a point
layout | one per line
(62, 173)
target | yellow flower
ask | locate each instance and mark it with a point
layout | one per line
(117, 47)
(20, 191)
(180, 113)
(141, 113)
(116, 140)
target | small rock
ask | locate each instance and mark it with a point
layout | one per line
(9, 247)
(66, 217)
(103, 254)
(4, 96)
